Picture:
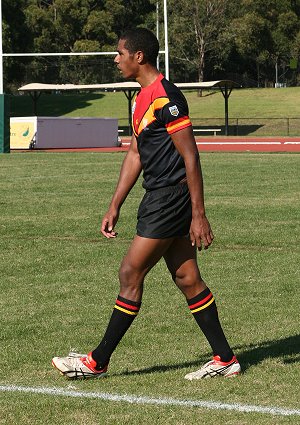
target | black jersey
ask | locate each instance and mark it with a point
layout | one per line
(160, 110)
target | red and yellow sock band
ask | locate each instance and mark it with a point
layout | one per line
(128, 307)
(201, 302)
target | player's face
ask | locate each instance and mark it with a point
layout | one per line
(126, 62)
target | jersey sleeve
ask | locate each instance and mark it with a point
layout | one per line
(175, 116)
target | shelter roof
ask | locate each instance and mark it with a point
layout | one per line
(127, 85)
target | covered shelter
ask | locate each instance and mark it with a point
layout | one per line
(129, 89)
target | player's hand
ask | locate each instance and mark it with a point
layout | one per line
(108, 224)
(201, 234)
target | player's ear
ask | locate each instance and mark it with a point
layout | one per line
(140, 57)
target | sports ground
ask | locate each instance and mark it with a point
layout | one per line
(217, 144)
(248, 144)
(59, 283)
(59, 280)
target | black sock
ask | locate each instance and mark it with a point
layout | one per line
(123, 315)
(204, 310)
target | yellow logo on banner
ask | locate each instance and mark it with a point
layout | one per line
(21, 134)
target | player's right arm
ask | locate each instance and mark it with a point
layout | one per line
(130, 171)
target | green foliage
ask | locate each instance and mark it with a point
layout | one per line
(197, 31)
(16, 37)
(208, 40)
(99, 27)
(265, 32)
(66, 26)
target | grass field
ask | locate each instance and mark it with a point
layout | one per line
(59, 283)
(259, 111)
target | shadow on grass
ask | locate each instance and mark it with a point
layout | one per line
(233, 130)
(286, 349)
(52, 105)
(163, 368)
(246, 130)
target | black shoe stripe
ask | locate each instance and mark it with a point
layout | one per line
(80, 374)
(220, 371)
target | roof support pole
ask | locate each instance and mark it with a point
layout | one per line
(35, 97)
(129, 94)
(226, 91)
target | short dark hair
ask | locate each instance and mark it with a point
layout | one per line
(141, 39)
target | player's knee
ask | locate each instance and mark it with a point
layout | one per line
(189, 281)
(131, 282)
(128, 274)
(124, 273)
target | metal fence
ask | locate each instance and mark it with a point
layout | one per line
(255, 127)
(285, 126)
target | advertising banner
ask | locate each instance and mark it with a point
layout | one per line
(22, 132)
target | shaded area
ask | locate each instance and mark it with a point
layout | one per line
(51, 105)
(286, 350)
(233, 130)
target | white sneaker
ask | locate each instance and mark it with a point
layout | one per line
(75, 354)
(216, 367)
(78, 366)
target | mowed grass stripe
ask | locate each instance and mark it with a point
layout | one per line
(59, 281)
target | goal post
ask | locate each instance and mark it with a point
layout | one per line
(4, 124)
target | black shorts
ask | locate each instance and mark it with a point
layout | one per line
(165, 213)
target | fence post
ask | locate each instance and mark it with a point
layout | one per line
(4, 124)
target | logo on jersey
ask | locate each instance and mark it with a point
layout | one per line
(174, 111)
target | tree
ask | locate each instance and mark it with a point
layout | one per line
(207, 38)
(264, 34)
(77, 26)
(252, 39)
(16, 36)
(198, 30)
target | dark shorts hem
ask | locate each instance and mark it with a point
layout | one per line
(161, 236)
(165, 213)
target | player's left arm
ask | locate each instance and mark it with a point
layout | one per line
(200, 230)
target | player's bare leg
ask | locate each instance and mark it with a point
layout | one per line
(181, 261)
(142, 255)
(182, 264)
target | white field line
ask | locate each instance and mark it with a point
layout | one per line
(237, 143)
(133, 399)
(248, 143)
